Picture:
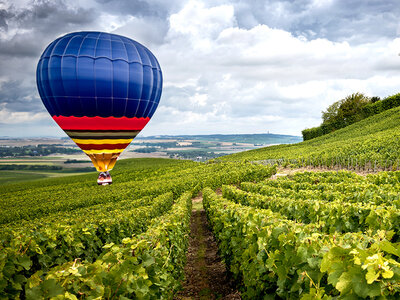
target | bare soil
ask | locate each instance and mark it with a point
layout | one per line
(206, 274)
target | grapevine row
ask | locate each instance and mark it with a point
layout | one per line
(25, 252)
(273, 256)
(147, 266)
(336, 216)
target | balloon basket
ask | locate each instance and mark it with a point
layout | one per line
(104, 178)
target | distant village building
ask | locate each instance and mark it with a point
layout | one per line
(184, 144)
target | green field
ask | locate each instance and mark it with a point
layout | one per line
(33, 168)
(15, 176)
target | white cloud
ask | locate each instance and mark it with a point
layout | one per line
(199, 99)
(265, 77)
(26, 117)
(148, 31)
(200, 24)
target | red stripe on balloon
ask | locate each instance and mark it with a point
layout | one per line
(100, 123)
(102, 146)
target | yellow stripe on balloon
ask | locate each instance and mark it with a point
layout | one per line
(103, 151)
(105, 141)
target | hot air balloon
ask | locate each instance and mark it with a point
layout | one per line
(101, 89)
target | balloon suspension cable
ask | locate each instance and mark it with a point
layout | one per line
(104, 178)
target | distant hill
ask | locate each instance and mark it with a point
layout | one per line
(262, 138)
(374, 141)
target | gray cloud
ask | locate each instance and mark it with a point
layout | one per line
(149, 19)
(20, 45)
(27, 31)
(37, 24)
(356, 21)
(160, 9)
(51, 16)
(17, 96)
(4, 16)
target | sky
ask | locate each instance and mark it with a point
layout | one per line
(229, 66)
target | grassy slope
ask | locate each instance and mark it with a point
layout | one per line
(51, 195)
(374, 138)
(23, 176)
(7, 177)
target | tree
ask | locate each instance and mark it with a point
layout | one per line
(331, 113)
(375, 99)
(350, 108)
(345, 111)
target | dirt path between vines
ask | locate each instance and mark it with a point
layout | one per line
(206, 275)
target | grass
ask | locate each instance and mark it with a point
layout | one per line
(15, 176)
(19, 176)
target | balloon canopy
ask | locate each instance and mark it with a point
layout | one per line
(101, 89)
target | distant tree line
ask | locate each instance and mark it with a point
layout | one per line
(39, 150)
(75, 161)
(349, 110)
(30, 167)
(146, 150)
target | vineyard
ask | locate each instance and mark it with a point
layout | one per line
(311, 236)
(73, 240)
(307, 235)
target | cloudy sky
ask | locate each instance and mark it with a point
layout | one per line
(229, 66)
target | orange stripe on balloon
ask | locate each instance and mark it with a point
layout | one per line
(100, 123)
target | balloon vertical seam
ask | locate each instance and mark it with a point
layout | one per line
(151, 87)
(141, 88)
(94, 74)
(112, 80)
(62, 78)
(77, 71)
(129, 76)
(48, 76)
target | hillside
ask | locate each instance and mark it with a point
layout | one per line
(374, 141)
